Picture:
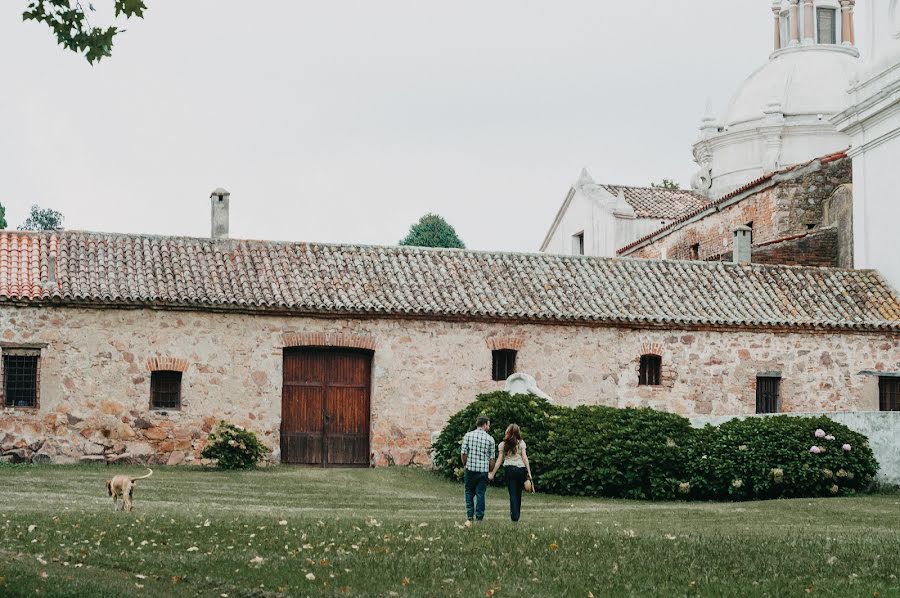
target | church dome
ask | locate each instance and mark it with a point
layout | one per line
(805, 81)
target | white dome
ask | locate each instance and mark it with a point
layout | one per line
(807, 81)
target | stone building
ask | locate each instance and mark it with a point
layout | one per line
(130, 348)
(800, 215)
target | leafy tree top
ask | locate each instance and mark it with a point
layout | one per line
(69, 22)
(43, 219)
(2, 217)
(666, 184)
(432, 231)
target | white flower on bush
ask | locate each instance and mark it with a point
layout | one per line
(815, 449)
(829, 437)
(777, 475)
(743, 447)
(820, 433)
(846, 448)
(738, 484)
(684, 487)
(834, 489)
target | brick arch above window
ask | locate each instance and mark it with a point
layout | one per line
(509, 343)
(167, 364)
(652, 349)
(328, 339)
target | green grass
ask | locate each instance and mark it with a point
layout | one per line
(398, 532)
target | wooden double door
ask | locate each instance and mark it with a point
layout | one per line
(325, 407)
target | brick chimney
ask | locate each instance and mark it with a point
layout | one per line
(219, 201)
(741, 250)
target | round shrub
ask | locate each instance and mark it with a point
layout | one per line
(778, 456)
(234, 447)
(533, 415)
(625, 453)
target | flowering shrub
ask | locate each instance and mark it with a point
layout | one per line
(776, 457)
(233, 447)
(626, 453)
(533, 415)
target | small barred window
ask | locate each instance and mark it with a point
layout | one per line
(165, 390)
(650, 371)
(503, 364)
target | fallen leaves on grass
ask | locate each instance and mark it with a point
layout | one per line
(554, 546)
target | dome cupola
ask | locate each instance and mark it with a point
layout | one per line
(779, 115)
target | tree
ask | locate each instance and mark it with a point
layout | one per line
(432, 231)
(2, 217)
(43, 219)
(666, 184)
(72, 28)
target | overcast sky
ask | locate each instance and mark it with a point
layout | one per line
(345, 121)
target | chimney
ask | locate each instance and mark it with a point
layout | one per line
(219, 201)
(741, 248)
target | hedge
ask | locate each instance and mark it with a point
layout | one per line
(647, 454)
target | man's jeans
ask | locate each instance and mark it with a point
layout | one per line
(476, 485)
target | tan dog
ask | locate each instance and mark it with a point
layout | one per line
(122, 486)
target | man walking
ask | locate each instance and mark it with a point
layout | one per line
(478, 453)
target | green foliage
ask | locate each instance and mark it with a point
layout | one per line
(666, 184)
(43, 219)
(432, 231)
(647, 454)
(532, 414)
(73, 30)
(770, 457)
(625, 453)
(2, 217)
(233, 447)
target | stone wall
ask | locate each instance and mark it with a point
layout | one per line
(816, 248)
(795, 205)
(95, 375)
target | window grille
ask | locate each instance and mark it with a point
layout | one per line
(20, 377)
(827, 23)
(651, 370)
(889, 393)
(165, 390)
(504, 364)
(768, 394)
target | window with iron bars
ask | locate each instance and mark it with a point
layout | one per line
(165, 390)
(889, 393)
(21, 377)
(650, 373)
(503, 364)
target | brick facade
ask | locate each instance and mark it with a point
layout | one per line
(783, 208)
(95, 375)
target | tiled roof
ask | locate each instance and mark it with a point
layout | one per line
(98, 269)
(651, 202)
(712, 206)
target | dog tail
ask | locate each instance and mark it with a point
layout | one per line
(143, 476)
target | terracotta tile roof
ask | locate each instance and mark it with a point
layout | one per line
(713, 205)
(650, 202)
(97, 269)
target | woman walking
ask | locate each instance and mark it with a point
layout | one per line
(516, 468)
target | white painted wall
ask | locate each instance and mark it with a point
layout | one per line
(882, 428)
(873, 123)
(608, 223)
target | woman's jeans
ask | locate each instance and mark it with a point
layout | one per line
(515, 481)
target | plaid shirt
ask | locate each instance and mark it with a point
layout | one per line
(480, 448)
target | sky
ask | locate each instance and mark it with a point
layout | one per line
(345, 121)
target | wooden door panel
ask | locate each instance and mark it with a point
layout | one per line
(325, 407)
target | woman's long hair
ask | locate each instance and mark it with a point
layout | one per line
(512, 439)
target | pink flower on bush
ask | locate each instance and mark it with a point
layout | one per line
(846, 447)
(815, 450)
(820, 433)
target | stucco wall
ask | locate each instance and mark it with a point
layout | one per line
(95, 381)
(881, 428)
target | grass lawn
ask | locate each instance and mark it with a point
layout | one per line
(398, 532)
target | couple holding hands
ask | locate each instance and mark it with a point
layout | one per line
(479, 457)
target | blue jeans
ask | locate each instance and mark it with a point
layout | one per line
(476, 486)
(515, 481)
